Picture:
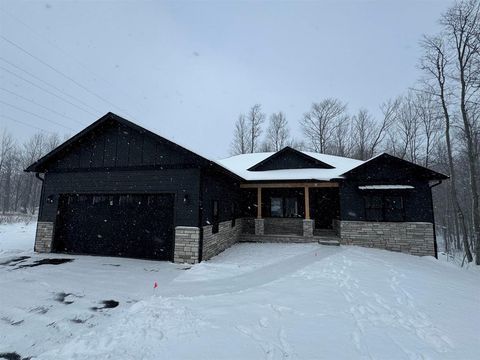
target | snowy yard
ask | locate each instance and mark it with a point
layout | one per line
(254, 301)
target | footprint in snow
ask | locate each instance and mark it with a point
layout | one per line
(107, 304)
(12, 321)
(263, 322)
(39, 310)
(66, 298)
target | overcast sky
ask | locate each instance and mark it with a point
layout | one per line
(188, 69)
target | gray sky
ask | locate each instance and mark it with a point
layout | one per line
(188, 69)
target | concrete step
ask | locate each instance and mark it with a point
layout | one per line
(329, 242)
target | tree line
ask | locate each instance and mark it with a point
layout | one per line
(19, 190)
(435, 123)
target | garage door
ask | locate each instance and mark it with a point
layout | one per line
(130, 225)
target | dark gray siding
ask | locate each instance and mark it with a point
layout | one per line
(177, 181)
(115, 145)
(289, 159)
(225, 190)
(417, 202)
(388, 170)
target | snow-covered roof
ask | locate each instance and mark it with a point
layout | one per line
(385, 187)
(240, 164)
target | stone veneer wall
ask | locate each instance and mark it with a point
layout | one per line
(414, 238)
(44, 237)
(187, 244)
(283, 226)
(308, 226)
(259, 226)
(248, 225)
(214, 244)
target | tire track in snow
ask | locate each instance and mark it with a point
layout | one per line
(258, 277)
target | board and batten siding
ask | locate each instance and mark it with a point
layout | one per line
(180, 182)
(116, 159)
(225, 190)
(393, 171)
(417, 201)
(118, 146)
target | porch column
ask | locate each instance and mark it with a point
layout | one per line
(307, 203)
(259, 222)
(307, 222)
(259, 203)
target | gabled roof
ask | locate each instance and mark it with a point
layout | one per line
(342, 167)
(385, 158)
(303, 161)
(41, 165)
(321, 167)
(241, 165)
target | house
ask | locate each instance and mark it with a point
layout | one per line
(117, 189)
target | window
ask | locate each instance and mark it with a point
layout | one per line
(291, 207)
(284, 207)
(393, 206)
(276, 207)
(384, 208)
(373, 208)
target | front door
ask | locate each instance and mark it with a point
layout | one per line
(326, 207)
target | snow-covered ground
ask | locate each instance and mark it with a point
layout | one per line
(254, 301)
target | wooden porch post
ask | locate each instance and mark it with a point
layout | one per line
(259, 202)
(307, 203)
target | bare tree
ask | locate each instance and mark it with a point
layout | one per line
(342, 143)
(434, 63)
(6, 159)
(297, 144)
(405, 135)
(6, 145)
(362, 126)
(320, 123)
(240, 142)
(368, 134)
(461, 25)
(278, 134)
(429, 121)
(33, 149)
(255, 119)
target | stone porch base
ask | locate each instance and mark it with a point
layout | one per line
(227, 235)
(187, 245)
(416, 238)
(44, 237)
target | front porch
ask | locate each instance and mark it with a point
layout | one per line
(292, 211)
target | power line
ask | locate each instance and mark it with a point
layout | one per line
(60, 73)
(39, 116)
(42, 106)
(23, 123)
(63, 51)
(48, 91)
(48, 84)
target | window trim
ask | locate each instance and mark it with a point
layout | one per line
(233, 214)
(215, 215)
